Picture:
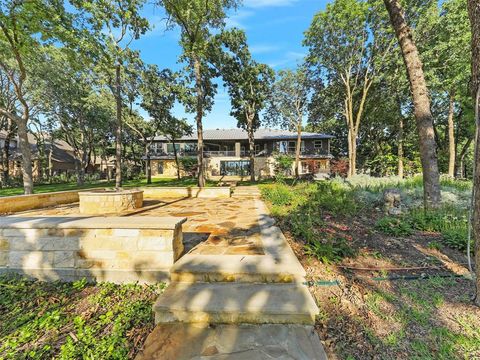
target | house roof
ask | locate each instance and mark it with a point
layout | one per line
(240, 134)
(62, 151)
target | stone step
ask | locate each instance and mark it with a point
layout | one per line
(236, 303)
(193, 268)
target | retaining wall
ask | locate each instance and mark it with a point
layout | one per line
(69, 248)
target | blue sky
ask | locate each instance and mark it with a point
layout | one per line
(274, 31)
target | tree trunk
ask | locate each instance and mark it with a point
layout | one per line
(421, 102)
(474, 15)
(251, 145)
(198, 118)
(349, 140)
(461, 165)
(27, 171)
(297, 149)
(118, 130)
(400, 148)
(148, 165)
(451, 138)
(6, 152)
(177, 162)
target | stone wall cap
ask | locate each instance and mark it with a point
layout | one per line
(91, 222)
(44, 194)
(107, 192)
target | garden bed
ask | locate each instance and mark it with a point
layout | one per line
(401, 295)
(40, 320)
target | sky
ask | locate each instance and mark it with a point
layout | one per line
(274, 31)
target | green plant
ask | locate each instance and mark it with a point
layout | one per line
(330, 250)
(394, 226)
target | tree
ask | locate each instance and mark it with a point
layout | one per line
(123, 23)
(342, 46)
(8, 101)
(421, 101)
(474, 15)
(447, 56)
(290, 104)
(196, 18)
(159, 89)
(248, 84)
(24, 28)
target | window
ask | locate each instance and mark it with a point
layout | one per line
(170, 148)
(318, 145)
(160, 168)
(292, 146)
(190, 148)
(235, 168)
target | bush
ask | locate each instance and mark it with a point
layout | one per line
(394, 226)
(279, 194)
(333, 249)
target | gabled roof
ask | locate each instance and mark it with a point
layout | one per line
(240, 134)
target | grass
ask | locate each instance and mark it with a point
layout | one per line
(41, 320)
(45, 188)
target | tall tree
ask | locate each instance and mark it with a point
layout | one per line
(446, 54)
(421, 101)
(117, 24)
(159, 90)
(248, 84)
(196, 19)
(341, 52)
(474, 15)
(289, 104)
(24, 28)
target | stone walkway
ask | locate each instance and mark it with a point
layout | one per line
(237, 306)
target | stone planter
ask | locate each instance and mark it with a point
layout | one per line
(109, 201)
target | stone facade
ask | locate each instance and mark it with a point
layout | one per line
(69, 248)
(109, 202)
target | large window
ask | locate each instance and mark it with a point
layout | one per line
(235, 168)
(170, 148)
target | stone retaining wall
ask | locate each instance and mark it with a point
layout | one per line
(109, 202)
(70, 248)
(163, 192)
(11, 204)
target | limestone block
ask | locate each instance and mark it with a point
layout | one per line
(4, 244)
(125, 232)
(3, 258)
(64, 259)
(156, 243)
(31, 259)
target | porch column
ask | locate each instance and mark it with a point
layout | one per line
(237, 149)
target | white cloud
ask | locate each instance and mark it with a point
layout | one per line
(268, 3)
(290, 58)
(236, 19)
(263, 48)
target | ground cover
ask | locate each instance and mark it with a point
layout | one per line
(387, 287)
(41, 320)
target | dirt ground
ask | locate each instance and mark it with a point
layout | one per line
(366, 315)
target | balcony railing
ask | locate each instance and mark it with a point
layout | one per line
(232, 153)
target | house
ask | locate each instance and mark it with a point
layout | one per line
(226, 152)
(62, 158)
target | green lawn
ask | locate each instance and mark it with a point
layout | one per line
(40, 320)
(44, 188)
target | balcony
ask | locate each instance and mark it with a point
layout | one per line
(232, 153)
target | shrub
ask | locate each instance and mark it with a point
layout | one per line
(394, 226)
(279, 194)
(333, 249)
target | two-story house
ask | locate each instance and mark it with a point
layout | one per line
(226, 152)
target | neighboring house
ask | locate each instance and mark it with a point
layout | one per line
(62, 159)
(226, 152)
